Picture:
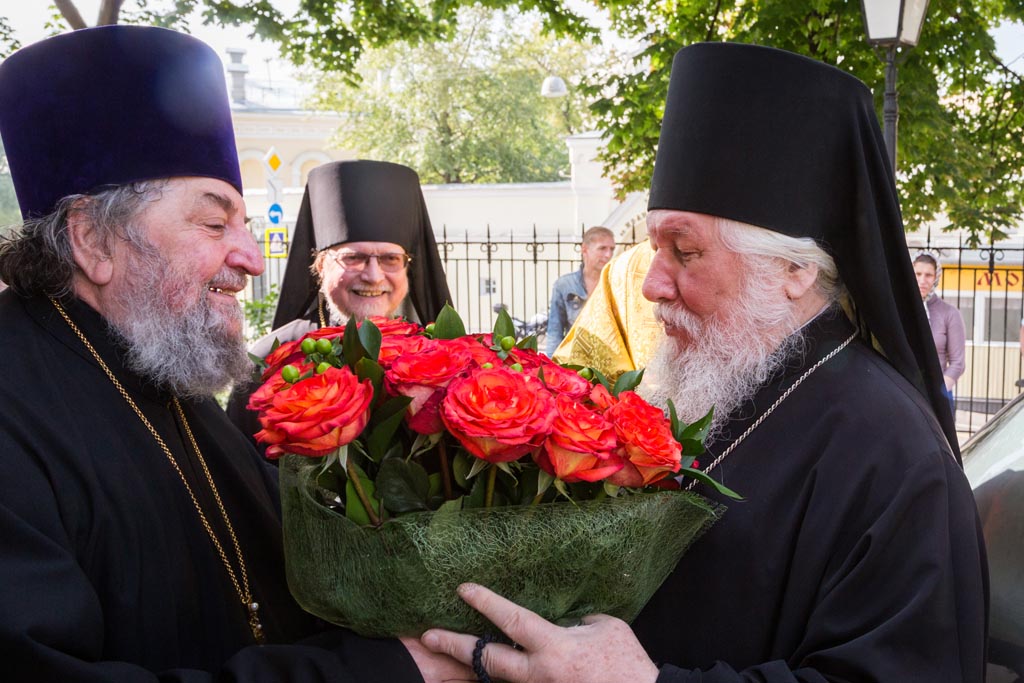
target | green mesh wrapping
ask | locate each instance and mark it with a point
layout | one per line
(560, 560)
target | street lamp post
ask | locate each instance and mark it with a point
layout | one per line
(891, 24)
(554, 88)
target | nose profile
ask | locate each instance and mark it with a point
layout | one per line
(245, 253)
(658, 285)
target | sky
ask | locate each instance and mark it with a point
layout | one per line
(28, 17)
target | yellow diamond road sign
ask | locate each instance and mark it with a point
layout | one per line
(272, 160)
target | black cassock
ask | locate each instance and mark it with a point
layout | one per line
(857, 554)
(106, 573)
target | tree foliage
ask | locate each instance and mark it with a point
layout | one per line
(10, 214)
(961, 134)
(467, 109)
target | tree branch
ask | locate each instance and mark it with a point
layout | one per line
(109, 12)
(70, 13)
(1003, 67)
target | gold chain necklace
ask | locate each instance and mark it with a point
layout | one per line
(241, 586)
(773, 406)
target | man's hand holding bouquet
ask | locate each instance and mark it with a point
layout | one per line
(421, 458)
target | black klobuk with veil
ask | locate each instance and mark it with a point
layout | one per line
(783, 142)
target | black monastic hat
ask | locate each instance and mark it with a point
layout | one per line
(362, 201)
(112, 105)
(783, 142)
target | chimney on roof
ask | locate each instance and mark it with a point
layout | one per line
(237, 69)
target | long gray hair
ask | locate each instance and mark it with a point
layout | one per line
(750, 240)
(37, 258)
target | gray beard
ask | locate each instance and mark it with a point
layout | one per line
(335, 316)
(189, 349)
(727, 360)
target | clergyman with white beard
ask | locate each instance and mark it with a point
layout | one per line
(781, 276)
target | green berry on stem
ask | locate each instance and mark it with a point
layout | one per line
(487, 366)
(324, 345)
(518, 367)
(429, 329)
(323, 367)
(308, 346)
(507, 343)
(586, 373)
(290, 374)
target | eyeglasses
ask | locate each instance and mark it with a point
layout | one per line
(354, 260)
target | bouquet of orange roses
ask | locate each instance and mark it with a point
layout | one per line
(420, 458)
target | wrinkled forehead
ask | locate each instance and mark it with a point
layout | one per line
(191, 195)
(669, 224)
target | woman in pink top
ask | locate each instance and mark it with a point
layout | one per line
(945, 320)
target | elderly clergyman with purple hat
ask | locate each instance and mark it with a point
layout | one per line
(140, 531)
(782, 279)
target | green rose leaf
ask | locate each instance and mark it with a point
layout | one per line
(705, 479)
(260, 363)
(448, 324)
(692, 447)
(352, 348)
(628, 381)
(503, 326)
(354, 509)
(599, 376)
(529, 343)
(461, 465)
(477, 494)
(453, 505)
(699, 429)
(403, 485)
(383, 424)
(371, 370)
(370, 336)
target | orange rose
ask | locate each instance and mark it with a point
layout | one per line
(528, 358)
(582, 444)
(274, 383)
(394, 326)
(601, 398)
(316, 415)
(281, 356)
(423, 376)
(478, 349)
(563, 380)
(646, 435)
(326, 333)
(394, 345)
(498, 414)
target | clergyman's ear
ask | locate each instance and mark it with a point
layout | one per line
(90, 251)
(800, 279)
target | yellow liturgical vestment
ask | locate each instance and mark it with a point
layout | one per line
(616, 331)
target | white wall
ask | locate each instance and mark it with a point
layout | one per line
(562, 208)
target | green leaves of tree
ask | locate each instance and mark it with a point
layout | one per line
(961, 127)
(462, 106)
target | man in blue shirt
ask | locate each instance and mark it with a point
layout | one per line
(570, 291)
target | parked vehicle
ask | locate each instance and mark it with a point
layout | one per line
(994, 464)
(536, 325)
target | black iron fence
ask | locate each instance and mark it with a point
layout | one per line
(485, 271)
(985, 283)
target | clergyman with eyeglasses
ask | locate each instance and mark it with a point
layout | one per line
(363, 246)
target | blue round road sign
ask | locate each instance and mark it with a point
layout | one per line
(275, 213)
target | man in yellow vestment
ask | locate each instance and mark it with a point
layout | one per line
(616, 331)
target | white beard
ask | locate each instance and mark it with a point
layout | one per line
(173, 334)
(729, 355)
